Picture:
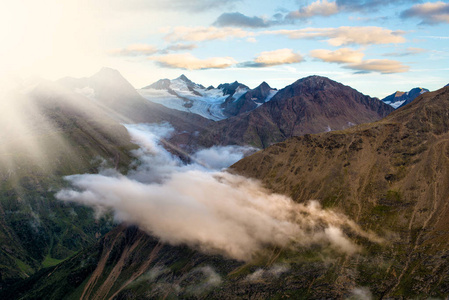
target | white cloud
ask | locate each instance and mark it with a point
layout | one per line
(346, 35)
(384, 66)
(215, 212)
(407, 52)
(343, 55)
(189, 62)
(198, 34)
(317, 8)
(278, 57)
(221, 157)
(429, 13)
(135, 50)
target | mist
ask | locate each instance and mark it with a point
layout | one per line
(205, 207)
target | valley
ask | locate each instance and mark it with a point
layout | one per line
(376, 226)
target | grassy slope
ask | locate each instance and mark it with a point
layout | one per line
(391, 176)
(36, 230)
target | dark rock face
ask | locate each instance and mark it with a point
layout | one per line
(230, 88)
(248, 101)
(310, 105)
(400, 99)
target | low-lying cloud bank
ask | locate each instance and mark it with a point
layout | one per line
(208, 209)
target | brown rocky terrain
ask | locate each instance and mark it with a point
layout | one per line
(391, 176)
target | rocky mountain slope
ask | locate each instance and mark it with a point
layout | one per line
(310, 105)
(392, 177)
(399, 99)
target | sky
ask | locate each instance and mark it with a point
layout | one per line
(375, 46)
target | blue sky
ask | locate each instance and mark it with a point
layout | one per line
(375, 46)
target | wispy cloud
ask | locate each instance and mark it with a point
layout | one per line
(189, 62)
(317, 8)
(430, 13)
(343, 55)
(368, 5)
(339, 36)
(353, 59)
(407, 52)
(148, 50)
(273, 58)
(236, 19)
(135, 50)
(193, 6)
(198, 34)
(383, 66)
(179, 47)
(346, 35)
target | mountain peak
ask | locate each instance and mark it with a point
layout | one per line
(314, 83)
(184, 78)
(106, 71)
(263, 85)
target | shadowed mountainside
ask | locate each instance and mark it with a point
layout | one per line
(310, 105)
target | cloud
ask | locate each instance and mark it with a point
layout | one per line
(212, 211)
(317, 8)
(353, 59)
(148, 50)
(343, 55)
(189, 62)
(198, 34)
(368, 5)
(278, 57)
(273, 58)
(346, 35)
(384, 66)
(430, 13)
(196, 5)
(221, 157)
(178, 47)
(361, 293)
(135, 50)
(273, 272)
(193, 6)
(237, 19)
(409, 51)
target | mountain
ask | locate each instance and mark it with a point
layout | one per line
(249, 100)
(61, 128)
(391, 177)
(310, 105)
(48, 133)
(399, 99)
(213, 103)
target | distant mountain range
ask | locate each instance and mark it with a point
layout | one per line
(228, 99)
(310, 105)
(399, 99)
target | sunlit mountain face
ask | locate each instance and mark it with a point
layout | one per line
(223, 149)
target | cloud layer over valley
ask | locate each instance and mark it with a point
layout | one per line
(208, 209)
